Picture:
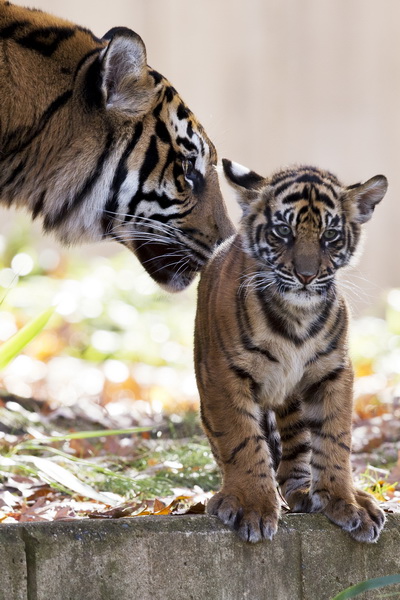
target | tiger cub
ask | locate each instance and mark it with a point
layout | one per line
(271, 352)
(100, 146)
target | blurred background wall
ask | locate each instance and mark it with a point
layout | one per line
(316, 81)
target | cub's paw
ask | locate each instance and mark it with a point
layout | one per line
(300, 501)
(251, 523)
(376, 519)
(363, 519)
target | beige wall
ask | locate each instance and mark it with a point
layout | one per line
(282, 81)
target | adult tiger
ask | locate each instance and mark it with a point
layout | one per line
(271, 343)
(101, 146)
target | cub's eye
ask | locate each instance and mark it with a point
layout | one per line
(283, 230)
(330, 234)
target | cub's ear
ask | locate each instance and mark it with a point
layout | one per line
(246, 183)
(242, 177)
(124, 72)
(365, 196)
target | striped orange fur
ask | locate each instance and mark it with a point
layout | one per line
(271, 354)
(101, 146)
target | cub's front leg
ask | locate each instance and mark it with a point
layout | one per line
(248, 500)
(327, 412)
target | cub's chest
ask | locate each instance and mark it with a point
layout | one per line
(281, 378)
(295, 368)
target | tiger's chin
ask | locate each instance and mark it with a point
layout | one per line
(305, 297)
(169, 265)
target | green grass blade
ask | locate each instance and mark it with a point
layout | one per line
(83, 435)
(17, 342)
(79, 435)
(364, 586)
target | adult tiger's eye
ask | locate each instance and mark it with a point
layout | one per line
(283, 230)
(188, 165)
(330, 234)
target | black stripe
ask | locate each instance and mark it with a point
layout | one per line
(257, 234)
(241, 315)
(150, 161)
(321, 491)
(309, 178)
(250, 231)
(190, 233)
(295, 428)
(283, 176)
(320, 321)
(294, 477)
(182, 112)
(344, 446)
(166, 218)
(52, 221)
(245, 413)
(46, 40)
(163, 200)
(84, 59)
(290, 434)
(312, 393)
(39, 204)
(272, 438)
(162, 132)
(50, 111)
(321, 197)
(156, 76)
(186, 144)
(238, 448)
(294, 197)
(190, 132)
(318, 466)
(9, 31)
(276, 321)
(18, 169)
(120, 175)
(314, 424)
(338, 326)
(92, 91)
(239, 371)
(171, 158)
(289, 409)
(207, 425)
(283, 186)
(170, 92)
(296, 451)
(319, 452)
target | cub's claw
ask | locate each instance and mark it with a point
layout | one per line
(364, 520)
(252, 524)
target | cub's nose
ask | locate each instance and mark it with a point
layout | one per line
(305, 278)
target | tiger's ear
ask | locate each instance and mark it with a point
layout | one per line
(246, 183)
(365, 196)
(124, 72)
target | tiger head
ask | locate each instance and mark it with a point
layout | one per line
(301, 225)
(164, 200)
(103, 147)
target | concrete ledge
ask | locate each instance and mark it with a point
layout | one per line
(188, 558)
